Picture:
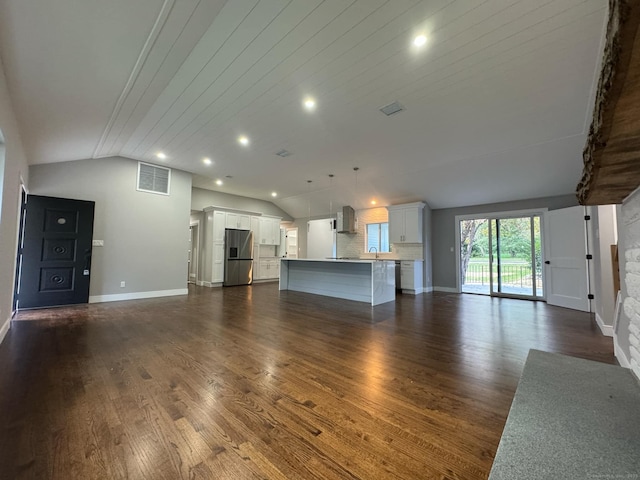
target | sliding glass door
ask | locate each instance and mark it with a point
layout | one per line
(516, 257)
(502, 256)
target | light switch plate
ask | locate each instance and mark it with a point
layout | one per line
(97, 243)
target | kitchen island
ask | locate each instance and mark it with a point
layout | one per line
(369, 281)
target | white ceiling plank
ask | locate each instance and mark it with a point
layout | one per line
(500, 93)
(237, 48)
(183, 29)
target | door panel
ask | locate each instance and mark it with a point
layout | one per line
(566, 264)
(56, 253)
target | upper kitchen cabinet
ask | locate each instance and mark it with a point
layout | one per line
(238, 221)
(269, 230)
(405, 223)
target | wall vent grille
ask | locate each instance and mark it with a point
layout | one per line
(153, 179)
(392, 109)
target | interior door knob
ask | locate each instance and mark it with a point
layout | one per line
(547, 262)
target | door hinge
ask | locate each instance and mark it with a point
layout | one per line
(590, 296)
(589, 256)
(587, 217)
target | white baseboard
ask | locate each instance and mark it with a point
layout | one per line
(5, 329)
(427, 289)
(137, 295)
(619, 354)
(607, 330)
(200, 283)
(411, 292)
(445, 289)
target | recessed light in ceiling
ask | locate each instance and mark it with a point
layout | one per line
(392, 109)
(207, 161)
(219, 182)
(373, 202)
(274, 194)
(309, 103)
(283, 153)
(243, 140)
(420, 40)
(161, 155)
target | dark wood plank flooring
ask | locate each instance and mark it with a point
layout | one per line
(249, 382)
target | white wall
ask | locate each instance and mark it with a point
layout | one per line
(605, 235)
(627, 337)
(145, 235)
(14, 168)
(201, 198)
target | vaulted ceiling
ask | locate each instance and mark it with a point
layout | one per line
(497, 102)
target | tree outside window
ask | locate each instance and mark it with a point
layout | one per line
(378, 237)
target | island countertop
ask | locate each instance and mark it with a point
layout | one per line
(363, 280)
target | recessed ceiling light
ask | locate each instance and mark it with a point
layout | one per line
(161, 155)
(309, 103)
(420, 40)
(207, 161)
(274, 194)
(243, 140)
(219, 182)
(373, 202)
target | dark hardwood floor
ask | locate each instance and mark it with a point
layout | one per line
(249, 382)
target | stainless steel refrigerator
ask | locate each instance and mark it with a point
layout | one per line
(238, 257)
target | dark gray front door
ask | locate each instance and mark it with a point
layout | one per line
(56, 252)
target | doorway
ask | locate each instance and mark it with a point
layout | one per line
(194, 248)
(54, 257)
(291, 247)
(501, 255)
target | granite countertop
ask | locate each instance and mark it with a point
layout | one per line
(571, 419)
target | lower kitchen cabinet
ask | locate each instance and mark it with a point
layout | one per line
(411, 276)
(268, 268)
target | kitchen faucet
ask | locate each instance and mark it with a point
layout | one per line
(376, 251)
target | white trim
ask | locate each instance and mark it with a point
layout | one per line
(607, 330)
(427, 289)
(200, 283)
(137, 295)
(619, 354)
(445, 289)
(4, 329)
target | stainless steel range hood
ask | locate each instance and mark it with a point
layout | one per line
(346, 220)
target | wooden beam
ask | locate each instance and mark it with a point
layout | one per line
(612, 152)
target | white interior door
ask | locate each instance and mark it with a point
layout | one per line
(321, 239)
(566, 258)
(292, 243)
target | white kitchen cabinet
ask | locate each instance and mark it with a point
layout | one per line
(255, 228)
(216, 221)
(269, 231)
(269, 268)
(411, 276)
(405, 223)
(238, 221)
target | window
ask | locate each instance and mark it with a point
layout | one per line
(378, 237)
(153, 179)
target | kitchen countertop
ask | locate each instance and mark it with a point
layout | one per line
(571, 419)
(338, 260)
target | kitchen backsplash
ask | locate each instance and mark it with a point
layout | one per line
(353, 244)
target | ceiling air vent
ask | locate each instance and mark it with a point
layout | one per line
(392, 109)
(153, 179)
(283, 153)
